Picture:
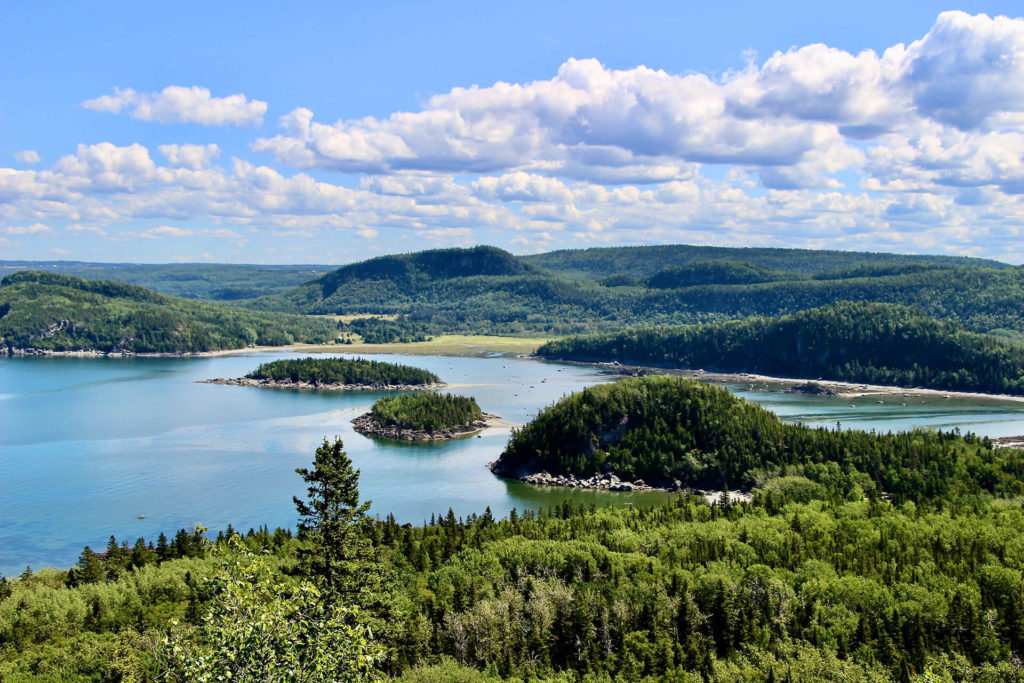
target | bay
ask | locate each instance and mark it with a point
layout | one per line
(91, 447)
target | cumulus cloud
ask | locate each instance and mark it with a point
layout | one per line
(919, 147)
(179, 104)
(29, 157)
(193, 157)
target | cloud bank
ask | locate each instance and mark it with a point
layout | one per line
(917, 148)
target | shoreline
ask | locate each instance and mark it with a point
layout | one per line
(308, 386)
(610, 482)
(367, 426)
(840, 389)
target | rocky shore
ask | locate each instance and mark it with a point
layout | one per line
(316, 386)
(365, 424)
(611, 482)
(1009, 442)
(94, 353)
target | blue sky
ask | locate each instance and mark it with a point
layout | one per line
(331, 132)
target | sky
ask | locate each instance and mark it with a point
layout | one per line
(329, 132)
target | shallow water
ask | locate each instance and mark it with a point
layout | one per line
(88, 445)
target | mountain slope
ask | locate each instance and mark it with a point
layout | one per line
(57, 312)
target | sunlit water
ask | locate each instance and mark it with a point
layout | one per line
(87, 446)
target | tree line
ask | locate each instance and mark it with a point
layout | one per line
(854, 342)
(429, 412)
(342, 371)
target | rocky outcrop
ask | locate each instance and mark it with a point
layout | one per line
(365, 424)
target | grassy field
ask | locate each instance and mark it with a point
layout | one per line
(443, 345)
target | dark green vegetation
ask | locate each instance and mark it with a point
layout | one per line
(827, 590)
(488, 291)
(212, 281)
(666, 428)
(62, 313)
(343, 371)
(428, 412)
(643, 262)
(863, 342)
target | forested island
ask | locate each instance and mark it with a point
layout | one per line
(684, 433)
(423, 417)
(851, 342)
(45, 313)
(339, 374)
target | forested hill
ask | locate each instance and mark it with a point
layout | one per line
(57, 312)
(208, 281)
(640, 262)
(853, 342)
(486, 290)
(671, 428)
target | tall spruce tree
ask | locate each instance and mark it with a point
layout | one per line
(337, 554)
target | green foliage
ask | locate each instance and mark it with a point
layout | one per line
(343, 371)
(714, 273)
(485, 290)
(210, 281)
(65, 313)
(854, 342)
(382, 331)
(426, 411)
(665, 428)
(259, 627)
(333, 524)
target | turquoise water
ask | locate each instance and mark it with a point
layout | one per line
(89, 445)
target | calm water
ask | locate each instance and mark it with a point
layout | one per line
(88, 445)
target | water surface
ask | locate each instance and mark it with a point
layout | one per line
(88, 445)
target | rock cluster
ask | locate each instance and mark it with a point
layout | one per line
(608, 482)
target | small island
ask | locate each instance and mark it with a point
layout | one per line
(336, 374)
(424, 417)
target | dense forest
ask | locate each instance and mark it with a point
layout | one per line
(428, 412)
(208, 281)
(810, 581)
(861, 342)
(486, 290)
(63, 313)
(662, 429)
(343, 371)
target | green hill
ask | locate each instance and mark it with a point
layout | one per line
(642, 262)
(486, 290)
(207, 281)
(670, 428)
(860, 342)
(58, 312)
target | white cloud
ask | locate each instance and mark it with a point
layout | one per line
(179, 104)
(29, 157)
(34, 229)
(60, 252)
(165, 231)
(194, 157)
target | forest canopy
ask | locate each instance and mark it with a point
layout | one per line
(428, 412)
(343, 371)
(852, 342)
(58, 312)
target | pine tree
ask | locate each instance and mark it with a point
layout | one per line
(333, 524)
